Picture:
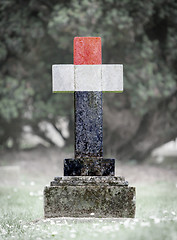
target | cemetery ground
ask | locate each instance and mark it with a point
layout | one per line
(24, 174)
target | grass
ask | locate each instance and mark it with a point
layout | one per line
(21, 216)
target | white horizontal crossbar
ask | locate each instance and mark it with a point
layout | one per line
(104, 77)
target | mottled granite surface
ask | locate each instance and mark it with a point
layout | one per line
(89, 167)
(89, 196)
(88, 124)
(89, 180)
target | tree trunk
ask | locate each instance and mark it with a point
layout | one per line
(156, 127)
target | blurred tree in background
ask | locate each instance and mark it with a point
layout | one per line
(139, 34)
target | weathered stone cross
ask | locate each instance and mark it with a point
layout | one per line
(88, 78)
(88, 187)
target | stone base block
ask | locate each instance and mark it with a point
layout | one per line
(89, 167)
(89, 197)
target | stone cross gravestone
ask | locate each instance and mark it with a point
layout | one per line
(88, 187)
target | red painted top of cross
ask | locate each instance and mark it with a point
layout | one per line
(87, 73)
(87, 50)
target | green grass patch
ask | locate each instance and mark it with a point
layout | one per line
(21, 216)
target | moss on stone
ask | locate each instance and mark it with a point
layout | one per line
(81, 201)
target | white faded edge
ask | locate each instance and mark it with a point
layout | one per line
(112, 78)
(104, 77)
(63, 78)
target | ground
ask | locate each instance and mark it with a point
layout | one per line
(24, 174)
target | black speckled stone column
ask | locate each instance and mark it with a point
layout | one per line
(89, 159)
(88, 124)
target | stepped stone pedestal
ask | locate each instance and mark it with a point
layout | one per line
(89, 196)
(88, 187)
